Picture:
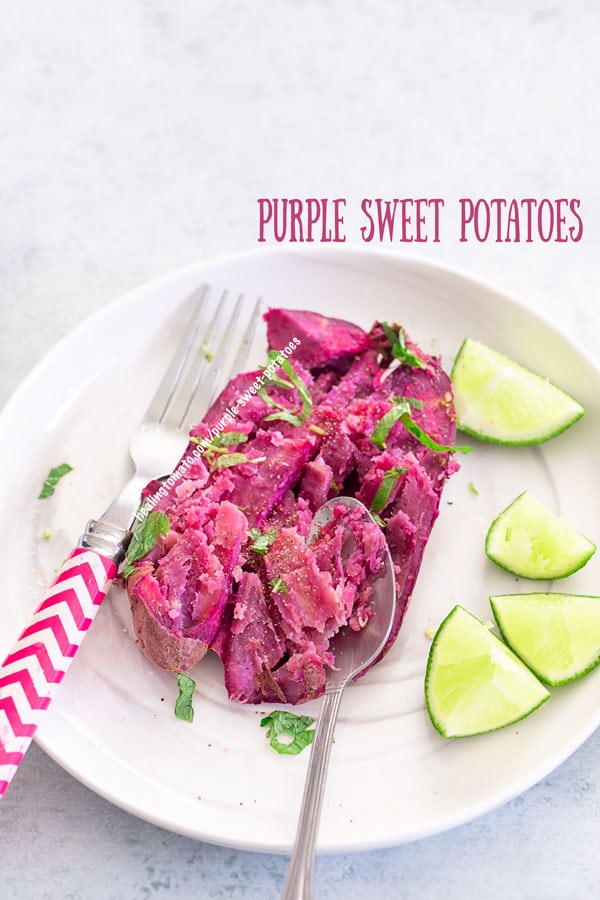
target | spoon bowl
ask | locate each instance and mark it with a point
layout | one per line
(353, 651)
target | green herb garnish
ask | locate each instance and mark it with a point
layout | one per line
(300, 386)
(412, 401)
(46, 534)
(208, 353)
(262, 392)
(401, 412)
(52, 479)
(422, 436)
(386, 486)
(387, 422)
(183, 705)
(278, 586)
(398, 347)
(144, 538)
(297, 727)
(473, 489)
(261, 542)
(228, 439)
(220, 442)
(284, 414)
(229, 460)
(275, 379)
(216, 450)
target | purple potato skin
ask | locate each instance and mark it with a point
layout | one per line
(274, 642)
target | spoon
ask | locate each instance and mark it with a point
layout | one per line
(353, 651)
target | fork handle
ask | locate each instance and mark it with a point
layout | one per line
(33, 670)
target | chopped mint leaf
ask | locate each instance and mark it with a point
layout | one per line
(183, 705)
(401, 412)
(229, 460)
(278, 586)
(300, 386)
(286, 415)
(283, 414)
(384, 491)
(412, 401)
(261, 542)
(398, 347)
(262, 393)
(228, 439)
(387, 422)
(52, 479)
(281, 722)
(473, 489)
(275, 379)
(422, 436)
(220, 442)
(219, 445)
(144, 538)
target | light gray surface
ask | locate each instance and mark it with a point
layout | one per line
(135, 137)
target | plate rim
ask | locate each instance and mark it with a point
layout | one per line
(457, 272)
(449, 820)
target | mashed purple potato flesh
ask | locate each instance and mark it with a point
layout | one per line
(269, 607)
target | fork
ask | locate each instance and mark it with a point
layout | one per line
(31, 673)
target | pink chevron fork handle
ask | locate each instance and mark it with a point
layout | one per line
(32, 671)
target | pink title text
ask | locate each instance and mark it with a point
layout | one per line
(420, 220)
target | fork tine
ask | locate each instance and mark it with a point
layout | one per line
(207, 361)
(196, 376)
(222, 368)
(245, 342)
(194, 380)
(167, 389)
(224, 346)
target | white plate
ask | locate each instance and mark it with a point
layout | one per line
(392, 777)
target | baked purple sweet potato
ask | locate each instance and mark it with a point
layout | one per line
(348, 413)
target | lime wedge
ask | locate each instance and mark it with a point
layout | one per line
(498, 400)
(527, 539)
(556, 635)
(474, 683)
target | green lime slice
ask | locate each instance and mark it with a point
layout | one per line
(527, 539)
(498, 400)
(556, 635)
(475, 683)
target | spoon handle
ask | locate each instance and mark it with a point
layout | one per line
(298, 884)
